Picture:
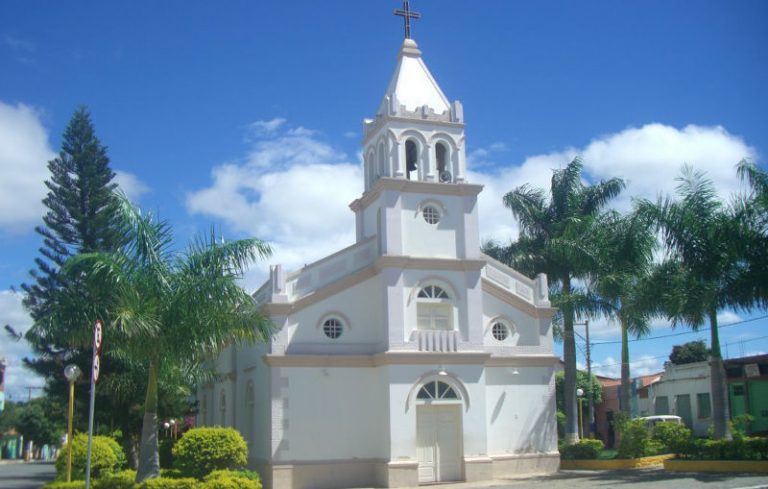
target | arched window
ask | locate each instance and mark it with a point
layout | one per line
(434, 309)
(411, 160)
(223, 408)
(441, 155)
(435, 390)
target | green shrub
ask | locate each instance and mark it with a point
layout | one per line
(171, 473)
(586, 449)
(202, 450)
(164, 451)
(164, 483)
(634, 438)
(122, 460)
(65, 485)
(103, 458)
(228, 479)
(675, 437)
(124, 479)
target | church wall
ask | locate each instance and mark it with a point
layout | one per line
(421, 239)
(253, 421)
(360, 309)
(521, 410)
(333, 414)
(527, 331)
(404, 381)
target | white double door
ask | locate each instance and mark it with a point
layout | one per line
(438, 442)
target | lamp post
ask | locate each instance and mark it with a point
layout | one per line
(72, 373)
(579, 394)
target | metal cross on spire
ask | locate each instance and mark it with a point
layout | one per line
(407, 15)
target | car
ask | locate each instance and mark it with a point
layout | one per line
(651, 421)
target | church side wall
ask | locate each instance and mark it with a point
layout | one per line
(333, 414)
(361, 310)
(521, 410)
(527, 334)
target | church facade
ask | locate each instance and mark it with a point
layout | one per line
(409, 357)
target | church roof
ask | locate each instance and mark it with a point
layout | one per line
(412, 84)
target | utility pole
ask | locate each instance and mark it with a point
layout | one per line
(590, 402)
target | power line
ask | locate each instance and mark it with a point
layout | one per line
(648, 338)
(667, 356)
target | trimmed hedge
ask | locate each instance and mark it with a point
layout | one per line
(104, 457)
(125, 479)
(202, 450)
(65, 485)
(586, 449)
(165, 483)
(675, 437)
(737, 449)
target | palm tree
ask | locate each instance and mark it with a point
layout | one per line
(752, 212)
(622, 281)
(697, 277)
(171, 311)
(555, 238)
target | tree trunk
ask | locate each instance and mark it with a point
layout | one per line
(625, 388)
(720, 414)
(569, 357)
(149, 461)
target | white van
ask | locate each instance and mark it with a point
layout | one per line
(651, 421)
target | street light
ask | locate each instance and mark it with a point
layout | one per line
(72, 373)
(579, 394)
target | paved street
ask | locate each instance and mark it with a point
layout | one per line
(25, 475)
(640, 479)
(34, 475)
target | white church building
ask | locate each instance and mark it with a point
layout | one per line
(409, 357)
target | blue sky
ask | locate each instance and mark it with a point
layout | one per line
(247, 115)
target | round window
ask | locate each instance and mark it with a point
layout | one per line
(333, 328)
(500, 331)
(431, 215)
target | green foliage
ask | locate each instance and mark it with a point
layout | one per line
(675, 437)
(65, 485)
(163, 483)
(103, 457)
(37, 421)
(636, 441)
(125, 479)
(582, 382)
(586, 449)
(122, 461)
(232, 479)
(691, 352)
(740, 448)
(739, 425)
(165, 451)
(171, 473)
(560, 417)
(202, 450)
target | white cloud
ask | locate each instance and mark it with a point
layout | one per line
(643, 365)
(130, 184)
(649, 158)
(17, 378)
(292, 190)
(727, 317)
(264, 128)
(24, 154)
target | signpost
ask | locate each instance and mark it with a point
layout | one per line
(97, 337)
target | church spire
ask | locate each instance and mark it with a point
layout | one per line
(407, 15)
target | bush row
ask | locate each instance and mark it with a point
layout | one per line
(204, 458)
(220, 479)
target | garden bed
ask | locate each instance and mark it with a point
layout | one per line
(616, 464)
